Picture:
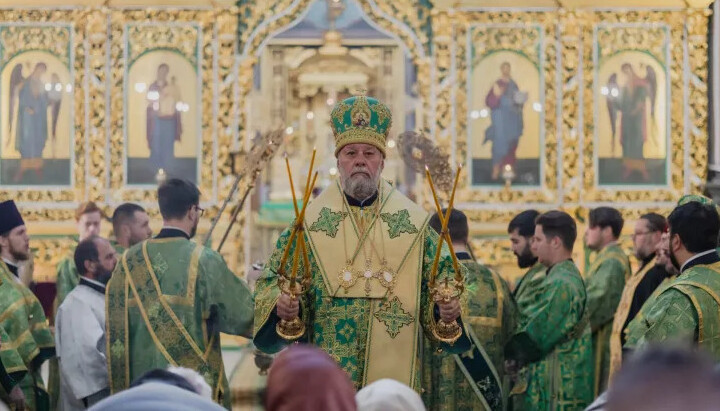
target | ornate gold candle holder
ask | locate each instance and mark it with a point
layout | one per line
(445, 291)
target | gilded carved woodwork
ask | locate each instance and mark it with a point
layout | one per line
(226, 42)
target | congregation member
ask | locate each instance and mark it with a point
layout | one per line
(647, 239)
(21, 315)
(304, 378)
(553, 342)
(370, 253)
(605, 281)
(665, 378)
(686, 311)
(388, 395)
(472, 380)
(131, 225)
(170, 298)
(80, 328)
(171, 389)
(521, 230)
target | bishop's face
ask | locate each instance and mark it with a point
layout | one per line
(360, 166)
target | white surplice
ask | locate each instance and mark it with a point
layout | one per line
(80, 344)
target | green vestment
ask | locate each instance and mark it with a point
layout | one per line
(686, 311)
(12, 367)
(67, 279)
(605, 283)
(554, 341)
(27, 332)
(637, 326)
(167, 303)
(526, 288)
(342, 321)
(489, 311)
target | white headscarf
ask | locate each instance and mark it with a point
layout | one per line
(388, 395)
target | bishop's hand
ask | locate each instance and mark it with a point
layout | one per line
(449, 310)
(288, 308)
(17, 398)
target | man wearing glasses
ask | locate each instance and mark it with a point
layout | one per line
(170, 298)
(647, 239)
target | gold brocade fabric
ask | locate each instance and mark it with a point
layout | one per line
(621, 316)
(382, 254)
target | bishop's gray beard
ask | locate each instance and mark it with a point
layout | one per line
(360, 187)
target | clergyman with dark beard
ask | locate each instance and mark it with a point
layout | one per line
(521, 230)
(686, 312)
(80, 328)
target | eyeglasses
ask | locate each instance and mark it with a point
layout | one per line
(200, 210)
(633, 235)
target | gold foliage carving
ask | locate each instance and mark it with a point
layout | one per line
(223, 44)
(52, 39)
(651, 32)
(179, 31)
(61, 33)
(491, 31)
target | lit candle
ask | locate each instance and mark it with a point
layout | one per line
(308, 189)
(286, 252)
(298, 226)
(444, 235)
(436, 260)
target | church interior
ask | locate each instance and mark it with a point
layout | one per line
(253, 82)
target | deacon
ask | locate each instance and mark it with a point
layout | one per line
(170, 298)
(687, 310)
(21, 315)
(605, 282)
(472, 380)
(647, 238)
(521, 230)
(553, 342)
(371, 257)
(89, 218)
(131, 226)
(80, 328)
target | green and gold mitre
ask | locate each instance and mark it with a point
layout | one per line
(361, 119)
(688, 198)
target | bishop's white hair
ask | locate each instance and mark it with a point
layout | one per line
(201, 386)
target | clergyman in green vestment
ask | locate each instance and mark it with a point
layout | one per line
(552, 345)
(686, 311)
(131, 225)
(21, 316)
(455, 382)
(605, 281)
(12, 371)
(170, 298)
(370, 254)
(521, 230)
